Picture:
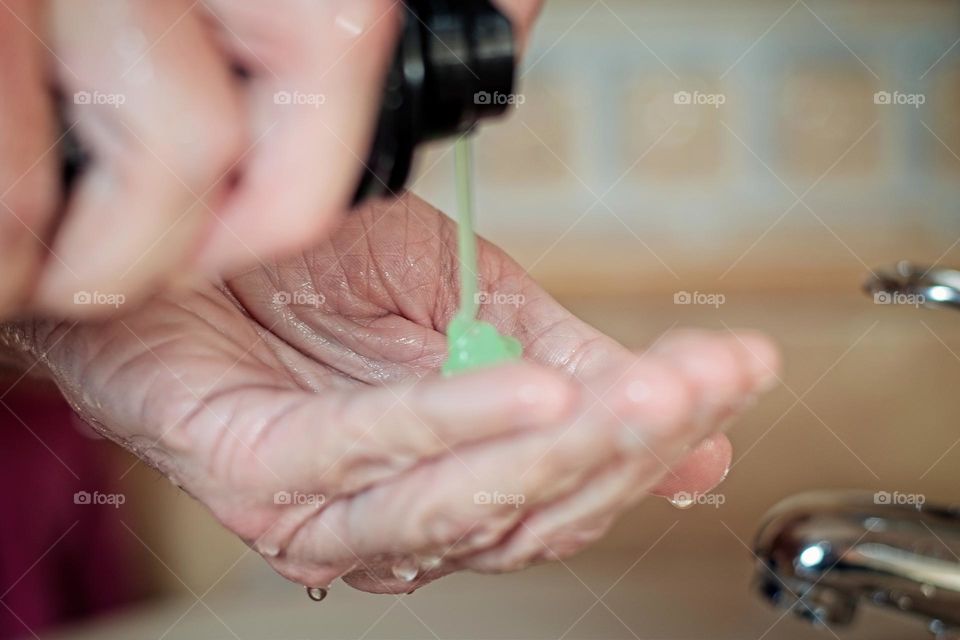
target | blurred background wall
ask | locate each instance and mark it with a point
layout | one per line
(798, 170)
(785, 179)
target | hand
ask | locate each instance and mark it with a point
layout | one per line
(300, 404)
(193, 168)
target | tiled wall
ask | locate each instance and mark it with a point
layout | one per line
(600, 175)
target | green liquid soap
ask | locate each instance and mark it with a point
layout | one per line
(472, 343)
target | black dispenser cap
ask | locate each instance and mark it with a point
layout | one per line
(454, 66)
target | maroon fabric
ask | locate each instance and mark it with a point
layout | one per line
(59, 560)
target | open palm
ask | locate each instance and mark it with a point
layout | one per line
(300, 402)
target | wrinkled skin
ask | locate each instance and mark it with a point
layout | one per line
(330, 388)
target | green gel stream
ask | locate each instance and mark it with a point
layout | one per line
(472, 343)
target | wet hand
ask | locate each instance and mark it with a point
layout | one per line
(301, 404)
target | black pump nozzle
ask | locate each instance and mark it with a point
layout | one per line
(454, 66)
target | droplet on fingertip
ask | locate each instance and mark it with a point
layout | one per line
(317, 594)
(681, 500)
(406, 570)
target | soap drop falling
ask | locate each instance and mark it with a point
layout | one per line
(407, 570)
(317, 594)
(682, 501)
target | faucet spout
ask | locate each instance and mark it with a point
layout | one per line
(823, 554)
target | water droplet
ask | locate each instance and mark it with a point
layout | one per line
(928, 590)
(428, 563)
(904, 602)
(682, 501)
(317, 594)
(407, 569)
(268, 550)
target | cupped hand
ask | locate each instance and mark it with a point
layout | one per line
(300, 403)
(193, 166)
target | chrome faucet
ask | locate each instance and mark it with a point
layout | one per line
(823, 554)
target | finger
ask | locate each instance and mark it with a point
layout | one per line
(568, 525)
(704, 354)
(725, 375)
(28, 187)
(571, 524)
(162, 122)
(436, 507)
(560, 530)
(576, 520)
(719, 376)
(700, 471)
(341, 444)
(473, 499)
(317, 71)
